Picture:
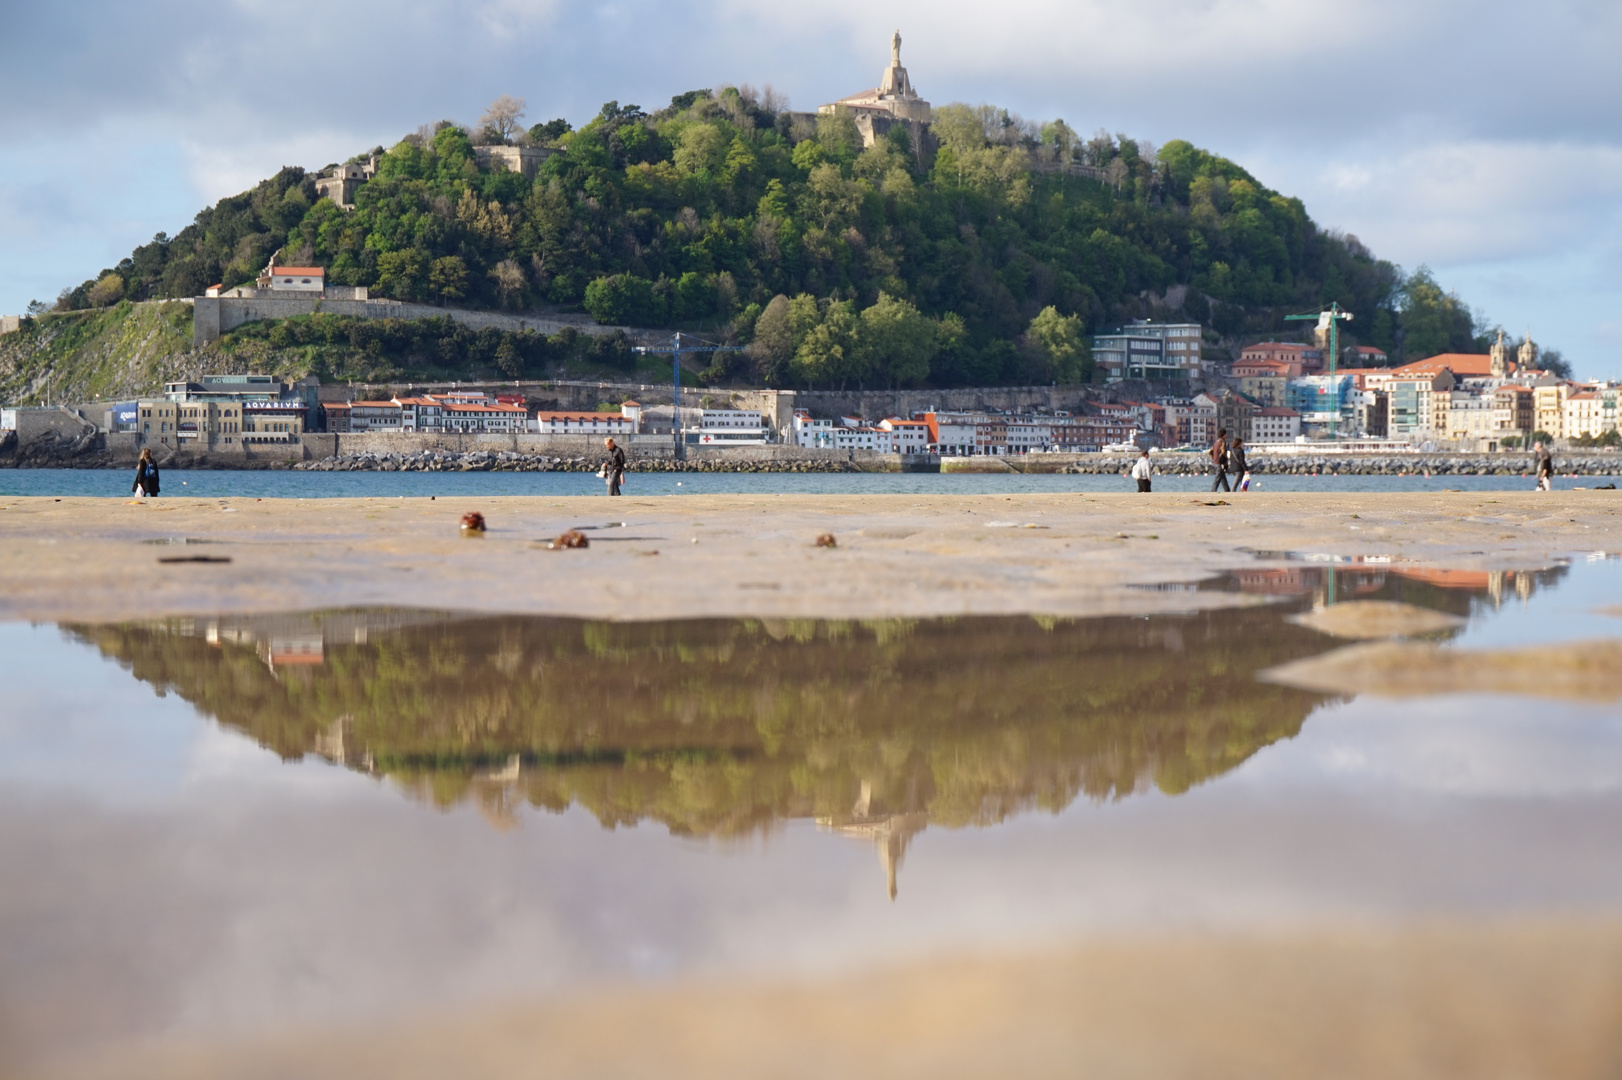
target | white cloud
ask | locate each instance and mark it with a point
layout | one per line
(1471, 200)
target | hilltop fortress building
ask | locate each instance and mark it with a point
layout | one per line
(893, 102)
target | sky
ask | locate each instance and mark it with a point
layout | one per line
(1479, 137)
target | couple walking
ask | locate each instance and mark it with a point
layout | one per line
(1228, 455)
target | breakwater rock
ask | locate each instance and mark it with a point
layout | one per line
(1591, 464)
(512, 461)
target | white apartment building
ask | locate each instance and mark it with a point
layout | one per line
(599, 424)
(484, 419)
(732, 427)
(906, 436)
(951, 433)
(812, 431)
(858, 438)
(420, 414)
(1022, 434)
(1589, 413)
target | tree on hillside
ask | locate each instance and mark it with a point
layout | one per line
(107, 291)
(896, 341)
(502, 119)
(1553, 362)
(1433, 321)
(1061, 343)
(447, 278)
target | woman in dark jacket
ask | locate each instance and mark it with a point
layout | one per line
(146, 474)
(1238, 464)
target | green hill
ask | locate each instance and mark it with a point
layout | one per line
(984, 257)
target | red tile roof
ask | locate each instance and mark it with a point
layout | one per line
(1457, 363)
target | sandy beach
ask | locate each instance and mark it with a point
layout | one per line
(897, 555)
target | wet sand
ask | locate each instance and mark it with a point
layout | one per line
(1510, 1000)
(897, 555)
(1538, 997)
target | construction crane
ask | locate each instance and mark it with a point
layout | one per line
(677, 349)
(1330, 320)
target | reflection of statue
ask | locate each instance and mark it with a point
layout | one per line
(895, 50)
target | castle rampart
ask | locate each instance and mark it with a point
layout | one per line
(215, 315)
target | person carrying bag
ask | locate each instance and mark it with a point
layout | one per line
(613, 469)
(1142, 471)
(146, 476)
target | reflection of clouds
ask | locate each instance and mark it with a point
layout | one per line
(244, 904)
(1481, 747)
(218, 758)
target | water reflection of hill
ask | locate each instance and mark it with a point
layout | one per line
(722, 727)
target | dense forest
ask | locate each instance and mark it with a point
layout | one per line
(987, 255)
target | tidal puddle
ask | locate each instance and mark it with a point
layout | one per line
(234, 826)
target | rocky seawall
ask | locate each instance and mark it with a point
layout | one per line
(509, 461)
(1584, 464)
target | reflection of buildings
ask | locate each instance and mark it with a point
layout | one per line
(890, 833)
(1386, 579)
(296, 640)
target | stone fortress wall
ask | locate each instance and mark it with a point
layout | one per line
(213, 316)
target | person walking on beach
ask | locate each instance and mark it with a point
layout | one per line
(1545, 467)
(146, 476)
(1237, 463)
(1219, 458)
(1142, 471)
(613, 466)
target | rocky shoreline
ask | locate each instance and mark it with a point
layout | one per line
(1586, 464)
(510, 461)
(1583, 463)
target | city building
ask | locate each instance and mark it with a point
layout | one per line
(1472, 418)
(485, 418)
(599, 424)
(1299, 359)
(1274, 424)
(269, 421)
(950, 433)
(1549, 409)
(1145, 350)
(420, 414)
(1323, 401)
(906, 436)
(1514, 408)
(857, 438)
(297, 279)
(1265, 382)
(1589, 413)
(812, 431)
(731, 427)
(345, 417)
(1364, 356)
(1197, 424)
(1413, 389)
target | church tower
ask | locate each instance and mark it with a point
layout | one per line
(1528, 354)
(1499, 358)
